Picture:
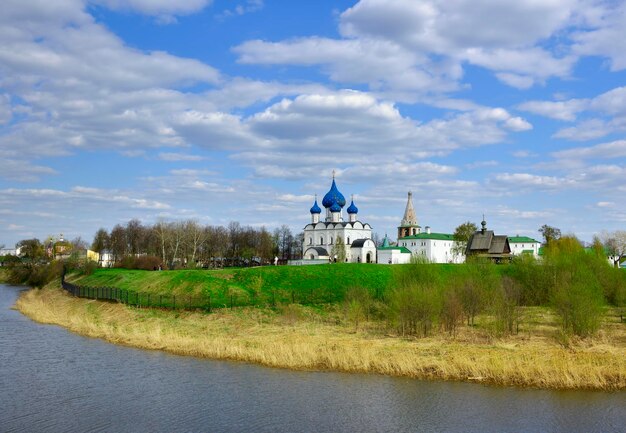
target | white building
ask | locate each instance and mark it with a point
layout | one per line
(434, 247)
(393, 255)
(323, 239)
(524, 245)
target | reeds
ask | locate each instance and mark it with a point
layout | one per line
(309, 342)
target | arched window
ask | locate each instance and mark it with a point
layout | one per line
(331, 240)
(310, 241)
(348, 240)
(322, 240)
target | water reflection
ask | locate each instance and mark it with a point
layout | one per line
(52, 380)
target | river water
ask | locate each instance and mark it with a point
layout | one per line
(54, 381)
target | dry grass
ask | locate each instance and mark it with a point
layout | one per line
(301, 339)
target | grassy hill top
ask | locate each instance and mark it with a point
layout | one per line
(314, 283)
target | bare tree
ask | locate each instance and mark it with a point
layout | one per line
(615, 244)
(195, 237)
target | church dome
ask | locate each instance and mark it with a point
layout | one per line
(333, 196)
(335, 207)
(316, 208)
(352, 208)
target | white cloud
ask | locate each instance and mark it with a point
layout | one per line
(606, 38)
(585, 130)
(614, 149)
(560, 110)
(165, 9)
(175, 157)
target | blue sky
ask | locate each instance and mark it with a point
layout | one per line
(240, 110)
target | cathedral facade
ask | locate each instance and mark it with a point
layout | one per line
(415, 242)
(333, 238)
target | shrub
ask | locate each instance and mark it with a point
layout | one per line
(451, 312)
(145, 263)
(414, 309)
(506, 306)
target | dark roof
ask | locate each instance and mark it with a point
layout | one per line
(480, 241)
(485, 242)
(358, 243)
(320, 251)
(500, 245)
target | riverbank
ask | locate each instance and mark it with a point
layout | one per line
(303, 338)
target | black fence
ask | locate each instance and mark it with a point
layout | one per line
(209, 302)
(140, 299)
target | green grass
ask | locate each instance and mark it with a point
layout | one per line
(263, 285)
(318, 283)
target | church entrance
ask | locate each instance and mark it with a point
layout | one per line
(368, 258)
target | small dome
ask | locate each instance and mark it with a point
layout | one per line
(316, 208)
(335, 207)
(352, 208)
(333, 196)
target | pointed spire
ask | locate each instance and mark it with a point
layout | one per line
(385, 242)
(409, 218)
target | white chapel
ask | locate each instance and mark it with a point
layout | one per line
(334, 238)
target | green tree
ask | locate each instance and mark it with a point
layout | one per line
(338, 250)
(549, 233)
(100, 242)
(31, 249)
(461, 236)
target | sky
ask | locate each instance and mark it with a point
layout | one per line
(224, 111)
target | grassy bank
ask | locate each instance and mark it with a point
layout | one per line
(319, 283)
(321, 338)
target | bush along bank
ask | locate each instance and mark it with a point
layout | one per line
(417, 299)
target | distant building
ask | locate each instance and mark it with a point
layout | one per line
(58, 248)
(484, 243)
(524, 245)
(104, 259)
(433, 247)
(322, 239)
(392, 255)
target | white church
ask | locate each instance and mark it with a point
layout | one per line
(413, 242)
(335, 239)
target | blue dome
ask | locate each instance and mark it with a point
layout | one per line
(316, 208)
(352, 208)
(335, 207)
(333, 196)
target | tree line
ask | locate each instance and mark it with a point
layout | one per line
(190, 244)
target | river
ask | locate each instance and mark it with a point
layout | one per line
(54, 381)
